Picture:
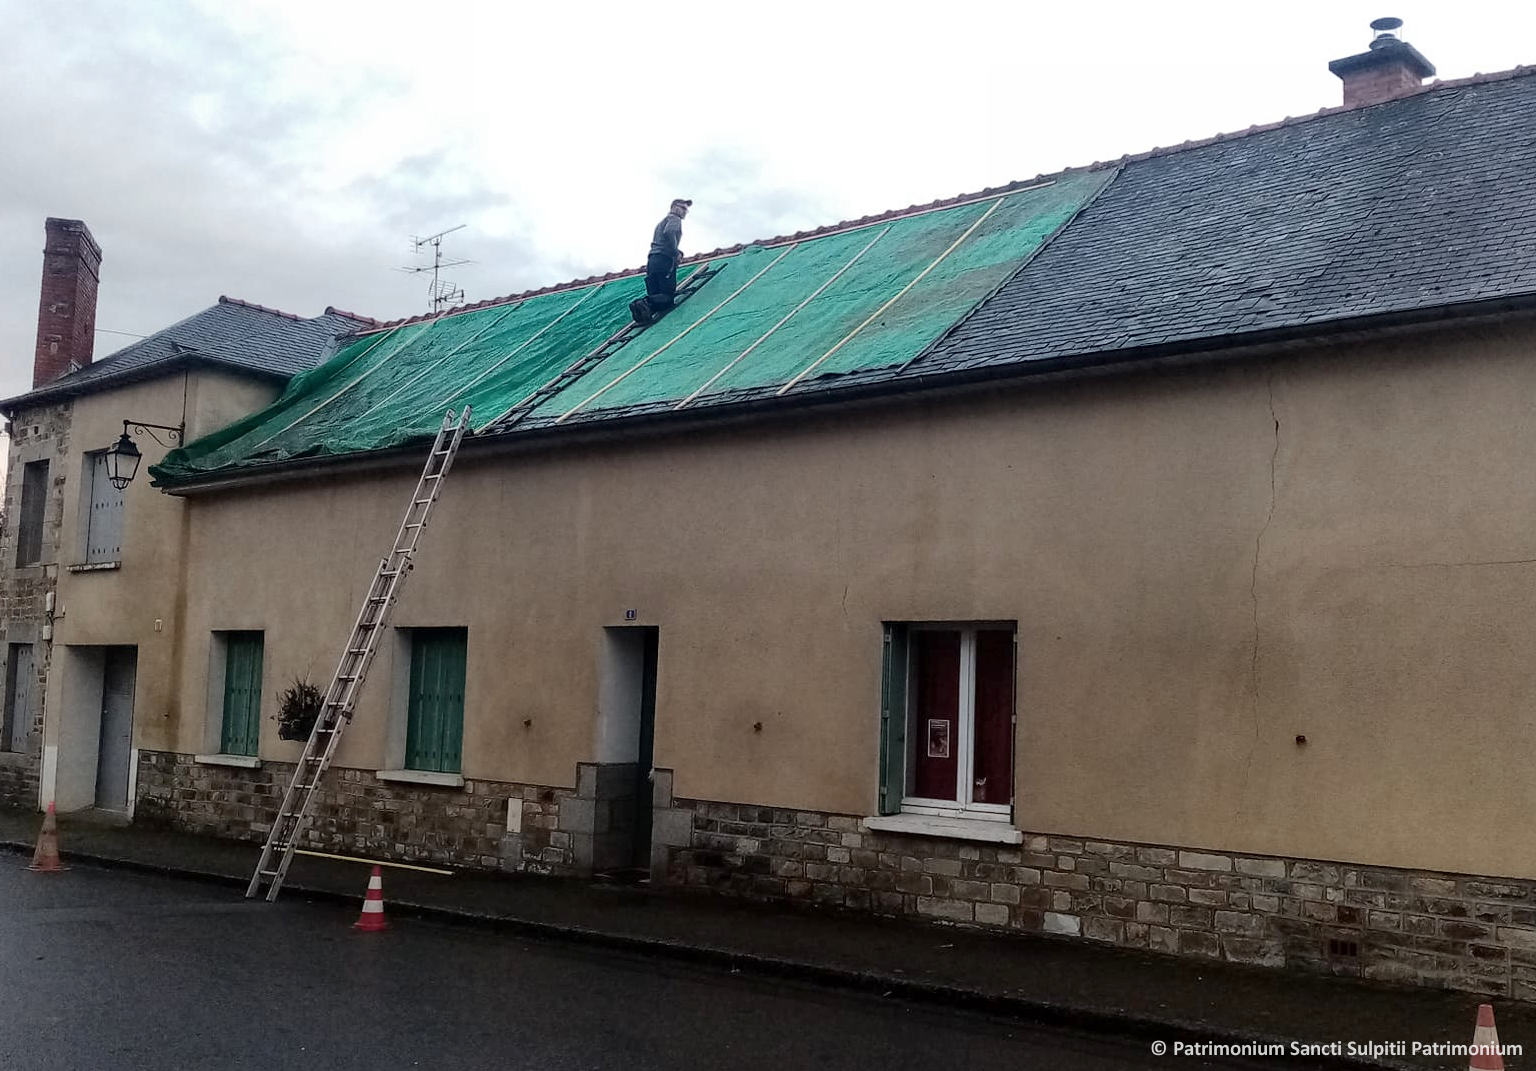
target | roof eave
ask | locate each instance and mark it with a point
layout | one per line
(180, 362)
(940, 385)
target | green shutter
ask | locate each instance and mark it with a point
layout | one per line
(242, 693)
(435, 717)
(893, 720)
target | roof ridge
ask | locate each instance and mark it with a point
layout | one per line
(224, 299)
(1321, 113)
(332, 310)
(991, 191)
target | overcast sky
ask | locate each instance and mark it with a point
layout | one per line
(285, 151)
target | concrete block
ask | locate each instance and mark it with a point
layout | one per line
(578, 814)
(673, 827)
(511, 852)
(953, 910)
(992, 914)
(1263, 868)
(661, 789)
(1070, 925)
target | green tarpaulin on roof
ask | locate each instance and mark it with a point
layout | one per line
(867, 298)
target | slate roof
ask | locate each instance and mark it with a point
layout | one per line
(234, 333)
(1330, 222)
(1422, 202)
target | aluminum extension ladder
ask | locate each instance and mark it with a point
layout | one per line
(341, 696)
(585, 364)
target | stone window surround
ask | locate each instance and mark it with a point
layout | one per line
(22, 455)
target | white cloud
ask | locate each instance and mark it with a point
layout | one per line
(283, 151)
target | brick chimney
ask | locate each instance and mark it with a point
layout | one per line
(66, 309)
(1391, 68)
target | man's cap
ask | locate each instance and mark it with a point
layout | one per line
(681, 201)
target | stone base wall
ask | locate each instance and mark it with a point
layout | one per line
(1417, 927)
(19, 779)
(357, 814)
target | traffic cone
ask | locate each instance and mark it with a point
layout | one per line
(46, 859)
(1485, 1042)
(372, 918)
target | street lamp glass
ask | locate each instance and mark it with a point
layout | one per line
(122, 462)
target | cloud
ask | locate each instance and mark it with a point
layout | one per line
(284, 151)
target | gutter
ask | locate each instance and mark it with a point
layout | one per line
(813, 399)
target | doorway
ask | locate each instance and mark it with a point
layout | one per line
(626, 734)
(92, 757)
(115, 745)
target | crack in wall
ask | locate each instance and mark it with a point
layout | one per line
(1458, 565)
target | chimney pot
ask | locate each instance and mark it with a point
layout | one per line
(1388, 69)
(1386, 31)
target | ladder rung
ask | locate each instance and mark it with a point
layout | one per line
(342, 694)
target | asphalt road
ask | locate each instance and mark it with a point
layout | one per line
(112, 970)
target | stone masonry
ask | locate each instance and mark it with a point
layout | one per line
(1415, 927)
(36, 434)
(356, 813)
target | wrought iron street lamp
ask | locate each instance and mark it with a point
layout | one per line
(123, 459)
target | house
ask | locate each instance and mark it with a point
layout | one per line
(91, 580)
(1139, 554)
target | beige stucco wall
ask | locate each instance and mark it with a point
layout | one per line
(139, 604)
(1193, 589)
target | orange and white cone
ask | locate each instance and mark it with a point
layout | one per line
(46, 859)
(1485, 1042)
(372, 919)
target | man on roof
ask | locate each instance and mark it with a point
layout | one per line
(661, 266)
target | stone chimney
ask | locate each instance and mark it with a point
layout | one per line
(66, 309)
(1391, 68)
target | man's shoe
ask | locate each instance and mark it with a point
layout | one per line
(640, 309)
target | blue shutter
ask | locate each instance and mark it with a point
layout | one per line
(893, 720)
(104, 518)
(242, 693)
(435, 711)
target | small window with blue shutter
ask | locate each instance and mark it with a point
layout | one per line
(240, 732)
(434, 731)
(103, 520)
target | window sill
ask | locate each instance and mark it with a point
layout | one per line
(922, 825)
(421, 777)
(16, 758)
(249, 762)
(94, 567)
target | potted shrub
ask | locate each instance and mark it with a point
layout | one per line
(298, 705)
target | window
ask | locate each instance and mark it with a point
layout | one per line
(34, 500)
(434, 730)
(947, 721)
(19, 679)
(240, 731)
(103, 513)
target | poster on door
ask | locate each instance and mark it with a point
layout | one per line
(938, 738)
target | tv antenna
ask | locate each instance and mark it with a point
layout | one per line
(442, 292)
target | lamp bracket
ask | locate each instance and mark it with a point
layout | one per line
(144, 427)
